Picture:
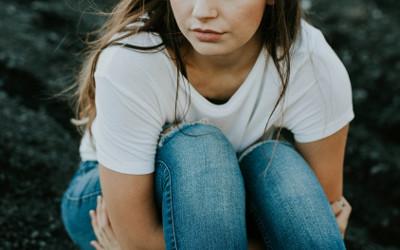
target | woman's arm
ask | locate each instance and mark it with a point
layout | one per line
(326, 158)
(131, 209)
(106, 239)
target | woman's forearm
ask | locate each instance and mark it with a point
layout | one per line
(154, 242)
(326, 158)
(158, 243)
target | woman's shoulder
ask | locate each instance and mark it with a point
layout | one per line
(123, 58)
(314, 61)
(141, 38)
(309, 39)
(133, 73)
(311, 48)
(319, 95)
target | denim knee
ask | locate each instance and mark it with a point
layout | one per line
(266, 153)
(287, 198)
(191, 139)
(199, 180)
(199, 149)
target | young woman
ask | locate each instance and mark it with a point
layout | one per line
(179, 102)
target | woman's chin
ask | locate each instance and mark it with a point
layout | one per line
(210, 49)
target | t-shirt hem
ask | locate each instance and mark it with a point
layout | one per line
(134, 168)
(330, 129)
(88, 157)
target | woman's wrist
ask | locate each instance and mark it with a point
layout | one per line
(339, 201)
(338, 204)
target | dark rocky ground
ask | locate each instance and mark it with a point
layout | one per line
(39, 55)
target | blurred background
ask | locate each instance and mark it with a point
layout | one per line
(40, 49)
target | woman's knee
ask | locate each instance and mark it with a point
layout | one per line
(202, 207)
(284, 193)
(197, 156)
(193, 146)
(282, 157)
(278, 168)
(198, 173)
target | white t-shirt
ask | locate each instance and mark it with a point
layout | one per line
(135, 97)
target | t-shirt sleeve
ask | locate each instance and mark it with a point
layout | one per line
(320, 102)
(128, 117)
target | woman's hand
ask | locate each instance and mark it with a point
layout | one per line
(106, 239)
(342, 209)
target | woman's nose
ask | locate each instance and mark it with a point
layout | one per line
(204, 9)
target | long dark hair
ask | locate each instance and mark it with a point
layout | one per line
(279, 28)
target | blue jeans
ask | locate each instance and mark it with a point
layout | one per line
(210, 197)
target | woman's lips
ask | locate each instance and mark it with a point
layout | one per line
(207, 36)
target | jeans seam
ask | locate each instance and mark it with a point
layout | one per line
(166, 168)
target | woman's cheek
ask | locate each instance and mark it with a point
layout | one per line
(181, 11)
(249, 17)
